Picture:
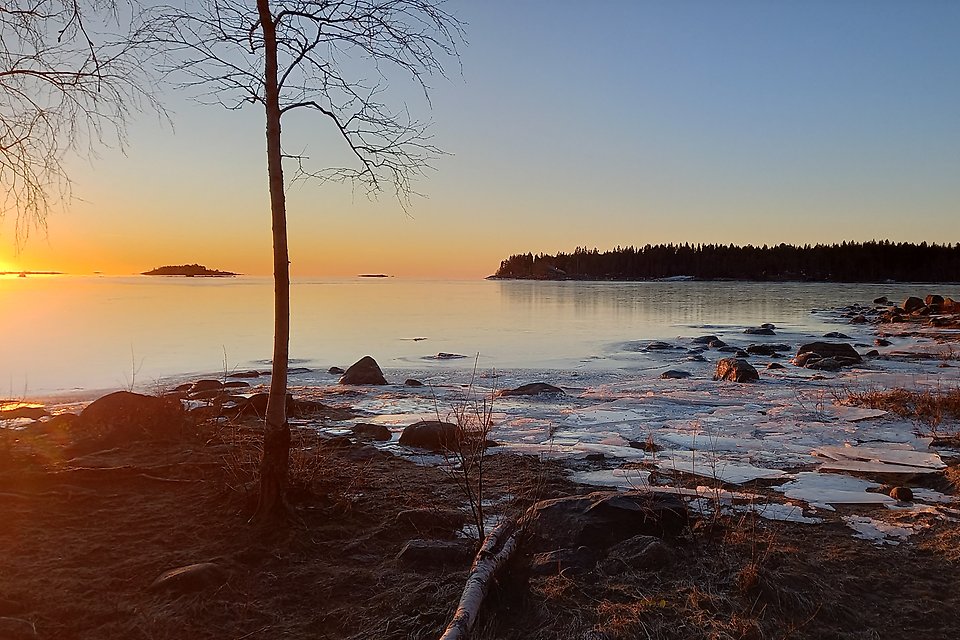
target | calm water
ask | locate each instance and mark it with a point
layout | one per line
(66, 333)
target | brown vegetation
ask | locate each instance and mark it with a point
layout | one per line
(85, 535)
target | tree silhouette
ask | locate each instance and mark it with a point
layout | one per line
(71, 74)
(332, 59)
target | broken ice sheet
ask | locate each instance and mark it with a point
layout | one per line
(827, 489)
(855, 414)
(718, 469)
(888, 455)
(620, 478)
(877, 531)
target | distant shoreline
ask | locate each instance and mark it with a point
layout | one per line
(696, 279)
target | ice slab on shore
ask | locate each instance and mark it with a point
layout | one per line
(824, 490)
(877, 531)
(887, 455)
(717, 469)
(619, 478)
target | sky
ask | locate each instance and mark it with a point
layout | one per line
(568, 124)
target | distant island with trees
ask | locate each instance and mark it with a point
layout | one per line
(189, 271)
(875, 261)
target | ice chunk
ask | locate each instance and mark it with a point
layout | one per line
(889, 455)
(620, 478)
(877, 531)
(826, 489)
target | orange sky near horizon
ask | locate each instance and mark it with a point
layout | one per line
(668, 122)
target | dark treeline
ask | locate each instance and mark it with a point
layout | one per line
(846, 262)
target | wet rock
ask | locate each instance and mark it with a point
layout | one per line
(696, 358)
(735, 370)
(728, 349)
(705, 340)
(759, 331)
(594, 457)
(882, 342)
(858, 319)
(658, 346)
(873, 353)
(674, 374)
(245, 374)
(235, 384)
(768, 325)
(716, 344)
(949, 305)
(256, 405)
(336, 371)
(427, 554)
(836, 335)
(933, 299)
(432, 434)
(740, 353)
(410, 382)
(570, 562)
(767, 349)
(881, 300)
(532, 389)
(912, 304)
(604, 518)
(364, 371)
(445, 356)
(823, 364)
(365, 431)
(775, 365)
(190, 579)
(639, 553)
(295, 371)
(842, 352)
(903, 494)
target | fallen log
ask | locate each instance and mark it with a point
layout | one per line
(494, 553)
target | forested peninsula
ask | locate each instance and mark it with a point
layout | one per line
(875, 261)
(188, 270)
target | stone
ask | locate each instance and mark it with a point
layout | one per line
(532, 389)
(566, 561)
(933, 299)
(735, 370)
(696, 358)
(604, 518)
(364, 431)
(446, 356)
(882, 342)
(759, 331)
(716, 344)
(411, 382)
(768, 325)
(426, 554)
(823, 364)
(881, 300)
(858, 319)
(432, 435)
(32, 413)
(336, 371)
(775, 365)
(236, 384)
(257, 405)
(364, 371)
(949, 305)
(674, 374)
(903, 494)
(430, 522)
(705, 340)
(191, 578)
(127, 413)
(912, 304)
(836, 335)
(658, 346)
(245, 374)
(828, 350)
(205, 385)
(639, 553)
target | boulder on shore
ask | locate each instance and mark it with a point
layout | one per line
(760, 331)
(911, 304)
(432, 435)
(127, 414)
(735, 370)
(604, 518)
(366, 431)
(364, 371)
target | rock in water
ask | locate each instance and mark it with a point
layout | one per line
(674, 374)
(735, 370)
(760, 331)
(365, 431)
(912, 303)
(841, 352)
(532, 389)
(432, 435)
(364, 371)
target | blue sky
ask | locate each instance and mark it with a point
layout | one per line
(575, 123)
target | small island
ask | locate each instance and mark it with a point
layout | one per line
(188, 271)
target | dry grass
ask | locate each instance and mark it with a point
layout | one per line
(931, 408)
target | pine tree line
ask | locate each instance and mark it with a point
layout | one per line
(874, 261)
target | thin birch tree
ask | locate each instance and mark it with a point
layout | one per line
(334, 59)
